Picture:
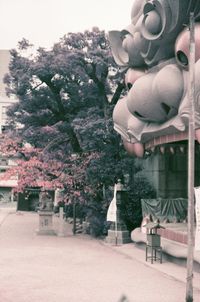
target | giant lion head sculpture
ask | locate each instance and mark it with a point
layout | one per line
(154, 50)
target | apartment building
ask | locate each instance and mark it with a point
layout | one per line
(5, 101)
(6, 186)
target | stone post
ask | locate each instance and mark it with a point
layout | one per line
(118, 233)
(61, 232)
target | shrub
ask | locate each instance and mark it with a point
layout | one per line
(140, 188)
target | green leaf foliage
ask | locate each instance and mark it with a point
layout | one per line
(65, 102)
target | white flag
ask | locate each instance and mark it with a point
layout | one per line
(197, 211)
(112, 210)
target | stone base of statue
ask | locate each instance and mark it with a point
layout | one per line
(45, 223)
(118, 237)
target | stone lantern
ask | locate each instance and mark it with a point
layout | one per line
(118, 233)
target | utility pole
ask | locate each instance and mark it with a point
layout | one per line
(191, 166)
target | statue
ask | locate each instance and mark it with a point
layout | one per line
(46, 214)
(154, 51)
(46, 202)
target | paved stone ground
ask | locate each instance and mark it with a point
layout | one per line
(79, 268)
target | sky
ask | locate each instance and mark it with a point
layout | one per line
(44, 22)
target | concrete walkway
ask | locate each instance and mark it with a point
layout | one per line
(79, 268)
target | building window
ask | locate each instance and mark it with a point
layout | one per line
(4, 115)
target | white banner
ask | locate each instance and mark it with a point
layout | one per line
(112, 210)
(197, 211)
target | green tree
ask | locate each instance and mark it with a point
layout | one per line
(65, 98)
(57, 86)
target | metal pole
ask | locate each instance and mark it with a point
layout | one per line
(116, 225)
(191, 153)
(74, 218)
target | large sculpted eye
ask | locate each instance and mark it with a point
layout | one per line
(155, 19)
(153, 22)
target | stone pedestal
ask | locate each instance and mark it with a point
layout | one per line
(118, 237)
(46, 223)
